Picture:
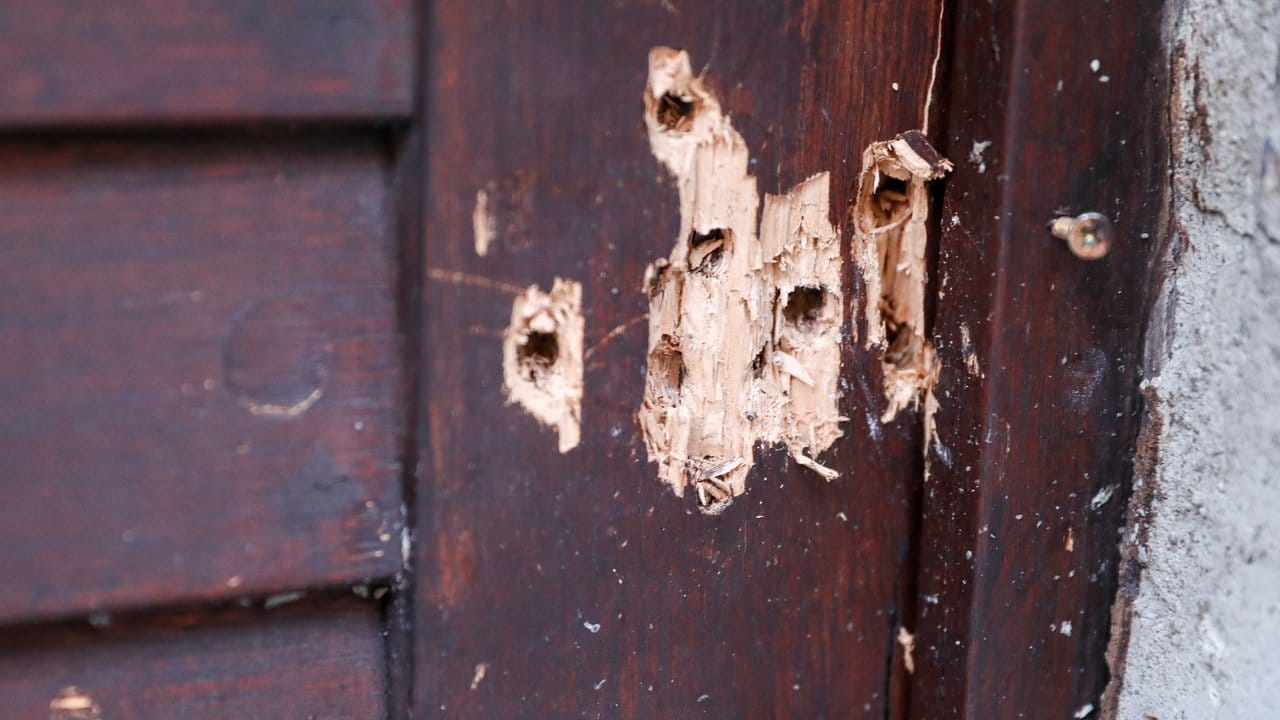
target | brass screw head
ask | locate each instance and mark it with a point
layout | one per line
(1089, 235)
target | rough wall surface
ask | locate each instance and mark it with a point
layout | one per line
(1205, 635)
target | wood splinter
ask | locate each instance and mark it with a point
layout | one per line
(744, 318)
(890, 239)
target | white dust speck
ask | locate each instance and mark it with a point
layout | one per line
(975, 154)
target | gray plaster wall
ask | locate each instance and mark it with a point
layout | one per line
(1205, 630)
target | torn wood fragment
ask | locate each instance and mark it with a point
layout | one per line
(890, 239)
(542, 358)
(72, 703)
(908, 642)
(744, 327)
(970, 355)
(483, 223)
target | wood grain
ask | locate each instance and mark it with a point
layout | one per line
(203, 61)
(311, 659)
(786, 605)
(199, 367)
(1021, 519)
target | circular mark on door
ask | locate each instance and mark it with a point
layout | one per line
(273, 359)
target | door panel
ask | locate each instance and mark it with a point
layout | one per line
(69, 63)
(200, 372)
(319, 659)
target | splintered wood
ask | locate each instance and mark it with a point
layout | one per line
(890, 237)
(71, 703)
(542, 358)
(744, 329)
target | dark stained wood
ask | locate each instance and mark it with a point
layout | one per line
(161, 61)
(1033, 447)
(785, 606)
(309, 659)
(163, 304)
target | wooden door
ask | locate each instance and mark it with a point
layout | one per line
(203, 393)
(261, 452)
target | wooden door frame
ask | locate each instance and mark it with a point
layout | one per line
(1052, 108)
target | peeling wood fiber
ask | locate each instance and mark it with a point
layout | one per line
(744, 328)
(890, 239)
(542, 358)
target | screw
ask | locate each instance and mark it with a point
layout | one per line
(1088, 235)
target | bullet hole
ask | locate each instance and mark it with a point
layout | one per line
(538, 353)
(804, 305)
(707, 250)
(666, 366)
(890, 244)
(891, 188)
(903, 346)
(757, 370)
(542, 358)
(722, 359)
(675, 113)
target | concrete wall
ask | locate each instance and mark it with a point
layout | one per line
(1205, 632)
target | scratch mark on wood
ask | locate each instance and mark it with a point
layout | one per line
(614, 333)
(459, 278)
